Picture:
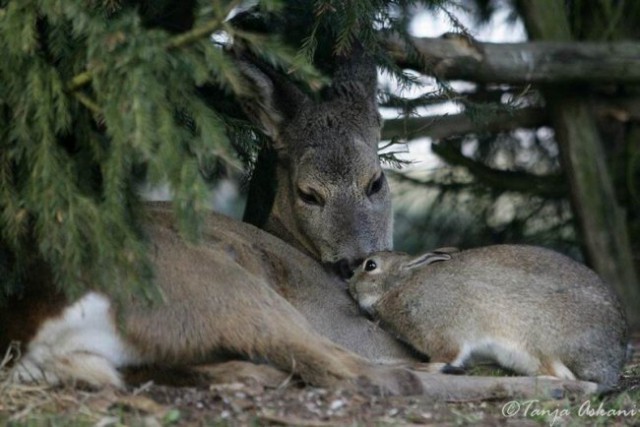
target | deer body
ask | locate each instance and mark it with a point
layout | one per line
(529, 309)
(241, 292)
(308, 287)
(224, 298)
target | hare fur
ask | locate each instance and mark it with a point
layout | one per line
(530, 309)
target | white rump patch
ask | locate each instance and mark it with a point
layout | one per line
(81, 344)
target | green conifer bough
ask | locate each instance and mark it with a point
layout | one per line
(90, 93)
(98, 95)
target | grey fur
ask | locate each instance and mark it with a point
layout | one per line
(327, 149)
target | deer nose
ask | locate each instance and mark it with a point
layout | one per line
(345, 268)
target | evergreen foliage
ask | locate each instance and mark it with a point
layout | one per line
(98, 96)
(95, 97)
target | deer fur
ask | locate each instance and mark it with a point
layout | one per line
(223, 298)
(332, 200)
(241, 292)
(527, 308)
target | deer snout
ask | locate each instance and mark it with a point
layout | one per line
(345, 268)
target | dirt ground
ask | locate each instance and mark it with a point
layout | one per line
(278, 400)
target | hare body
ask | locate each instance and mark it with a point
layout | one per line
(529, 309)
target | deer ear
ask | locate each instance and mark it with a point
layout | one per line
(354, 75)
(355, 83)
(424, 259)
(274, 101)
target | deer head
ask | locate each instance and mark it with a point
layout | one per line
(331, 198)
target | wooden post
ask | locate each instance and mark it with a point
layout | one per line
(602, 223)
(460, 58)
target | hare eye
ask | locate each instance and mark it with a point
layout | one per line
(370, 265)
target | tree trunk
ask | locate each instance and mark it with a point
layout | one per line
(602, 222)
(440, 127)
(462, 58)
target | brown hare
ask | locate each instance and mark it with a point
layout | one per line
(529, 309)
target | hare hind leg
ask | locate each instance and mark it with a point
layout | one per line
(555, 369)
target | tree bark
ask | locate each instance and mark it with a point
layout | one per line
(548, 186)
(601, 220)
(461, 58)
(622, 109)
(463, 388)
(439, 127)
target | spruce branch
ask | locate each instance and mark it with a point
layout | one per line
(91, 105)
(176, 42)
(79, 80)
(439, 127)
(201, 31)
(553, 62)
(450, 186)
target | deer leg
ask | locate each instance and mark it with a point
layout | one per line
(250, 320)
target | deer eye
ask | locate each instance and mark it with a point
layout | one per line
(370, 265)
(310, 197)
(376, 185)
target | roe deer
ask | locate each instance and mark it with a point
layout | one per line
(237, 292)
(530, 309)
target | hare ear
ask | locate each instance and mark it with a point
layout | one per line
(276, 99)
(424, 259)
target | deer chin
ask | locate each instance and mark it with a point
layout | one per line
(345, 268)
(334, 269)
